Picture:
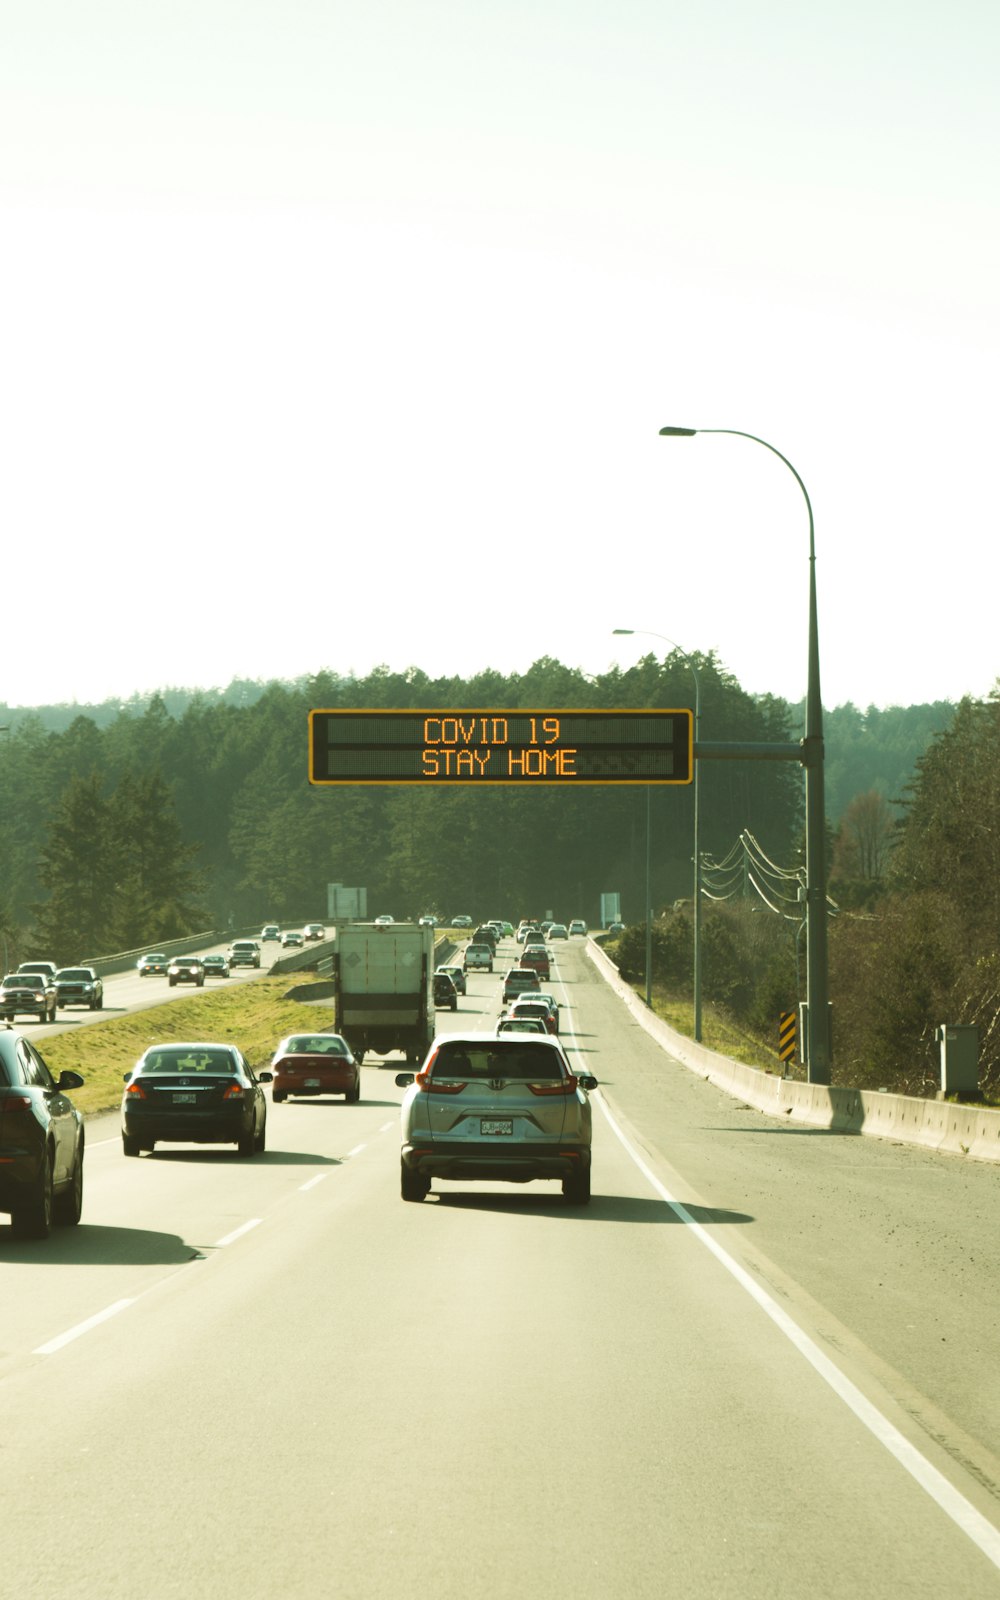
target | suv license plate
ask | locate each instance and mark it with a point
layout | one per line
(492, 1127)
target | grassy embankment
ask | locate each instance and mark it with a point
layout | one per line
(253, 1015)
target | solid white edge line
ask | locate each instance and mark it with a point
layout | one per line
(237, 1233)
(972, 1523)
(82, 1327)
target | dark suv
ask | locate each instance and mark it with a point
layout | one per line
(445, 993)
(41, 1141)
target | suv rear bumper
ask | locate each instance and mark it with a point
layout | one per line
(508, 1164)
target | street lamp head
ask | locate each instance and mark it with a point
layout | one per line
(623, 630)
(678, 433)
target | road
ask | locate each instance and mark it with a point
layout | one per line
(759, 1364)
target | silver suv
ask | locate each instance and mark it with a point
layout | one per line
(501, 1107)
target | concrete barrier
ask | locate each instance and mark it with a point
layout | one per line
(972, 1131)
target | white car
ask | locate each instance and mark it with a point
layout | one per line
(501, 1107)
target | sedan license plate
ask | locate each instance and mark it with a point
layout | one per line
(495, 1127)
(184, 1099)
(312, 1083)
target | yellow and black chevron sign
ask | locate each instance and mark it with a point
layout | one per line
(787, 1035)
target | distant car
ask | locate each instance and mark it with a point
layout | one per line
(536, 957)
(314, 1064)
(186, 969)
(41, 1141)
(615, 929)
(521, 1025)
(153, 965)
(461, 922)
(520, 980)
(28, 993)
(314, 930)
(578, 926)
(552, 1002)
(384, 921)
(526, 931)
(215, 966)
(244, 953)
(558, 930)
(445, 993)
(427, 922)
(534, 1005)
(79, 986)
(47, 969)
(497, 1107)
(507, 929)
(478, 955)
(270, 930)
(486, 934)
(292, 940)
(201, 1093)
(456, 974)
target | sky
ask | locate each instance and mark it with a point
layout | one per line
(338, 335)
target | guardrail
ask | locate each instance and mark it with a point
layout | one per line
(965, 1130)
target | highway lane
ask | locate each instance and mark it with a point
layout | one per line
(489, 1394)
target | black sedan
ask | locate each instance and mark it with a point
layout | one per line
(41, 1141)
(193, 1094)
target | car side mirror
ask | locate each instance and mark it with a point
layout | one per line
(70, 1080)
(265, 1077)
(404, 1079)
(586, 1080)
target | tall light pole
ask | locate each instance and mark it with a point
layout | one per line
(818, 1051)
(697, 851)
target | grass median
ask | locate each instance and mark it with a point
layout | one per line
(254, 1016)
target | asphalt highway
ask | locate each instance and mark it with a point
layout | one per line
(760, 1363)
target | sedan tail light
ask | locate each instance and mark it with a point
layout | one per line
(234, 1092)
(137, 1091)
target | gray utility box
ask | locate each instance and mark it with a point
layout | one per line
(959, 1043)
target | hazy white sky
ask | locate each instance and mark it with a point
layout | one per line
(338, 333)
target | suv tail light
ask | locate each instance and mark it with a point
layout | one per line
(564, 1086)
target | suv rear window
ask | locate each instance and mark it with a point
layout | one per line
(517, 1058)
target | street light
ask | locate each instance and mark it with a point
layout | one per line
(697, 853)
(818, 1053)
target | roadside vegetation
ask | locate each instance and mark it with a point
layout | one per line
(183, 811)
(254, 1016)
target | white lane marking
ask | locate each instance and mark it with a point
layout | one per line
(237, 1233)
(387, 1125)
(356, 1151)
(965, 1516)
(82, 1327)
(312, 1182)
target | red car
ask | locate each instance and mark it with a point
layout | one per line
(536, 958)
(315, 1064)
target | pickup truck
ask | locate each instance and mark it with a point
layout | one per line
(31, 992)
(478, 955)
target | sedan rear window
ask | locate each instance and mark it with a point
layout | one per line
(217, 1061)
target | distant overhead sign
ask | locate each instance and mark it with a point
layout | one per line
(490, 747)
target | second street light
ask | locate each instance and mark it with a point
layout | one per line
(648, 633)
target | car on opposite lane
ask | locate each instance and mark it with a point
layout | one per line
(41, 1140)
(79, 986)
(216, 966)
(314, 930)
(292, 940)
(28, 994)
(197, 1093)
(153, 964)
(186, 969)
(314, 1064)
(502, 1107)
(244, 953)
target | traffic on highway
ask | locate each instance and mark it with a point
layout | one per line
(736, 1365)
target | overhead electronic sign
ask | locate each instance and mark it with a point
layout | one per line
(491, 747)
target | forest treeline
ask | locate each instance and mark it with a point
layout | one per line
(137, 822)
